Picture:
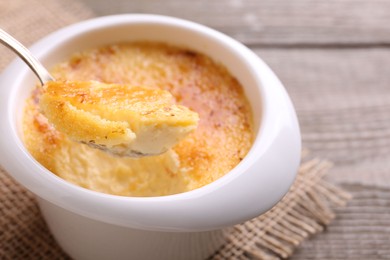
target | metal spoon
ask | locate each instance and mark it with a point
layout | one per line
(122, 149)
(44, 76)
(18, 48)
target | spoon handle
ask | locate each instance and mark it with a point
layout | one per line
(41, 72)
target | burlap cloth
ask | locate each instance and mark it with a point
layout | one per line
(304, 211)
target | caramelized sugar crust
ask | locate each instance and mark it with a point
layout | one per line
(222, 139)
(122, 119)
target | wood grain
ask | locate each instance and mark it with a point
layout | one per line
(342, 98)
(360, 231)
(274, 22)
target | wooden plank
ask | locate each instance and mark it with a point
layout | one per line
(274, 22)
(350, 236)
(342, 98)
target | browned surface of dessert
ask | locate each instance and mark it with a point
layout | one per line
(222, 139)
(124, 120)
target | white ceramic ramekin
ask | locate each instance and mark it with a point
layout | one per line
(92, 225)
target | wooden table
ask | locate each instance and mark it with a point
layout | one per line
(334, 59)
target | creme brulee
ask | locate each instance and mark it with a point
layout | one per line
(222, 139)
(124, 120)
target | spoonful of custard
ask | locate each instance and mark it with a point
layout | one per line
(123, 120)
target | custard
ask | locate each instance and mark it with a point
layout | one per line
(124, 120)
(222, 139)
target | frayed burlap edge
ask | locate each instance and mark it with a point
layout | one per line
(304, 211)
